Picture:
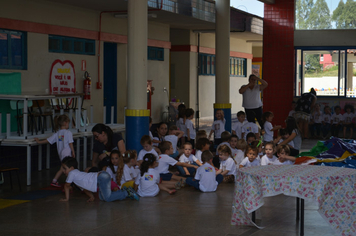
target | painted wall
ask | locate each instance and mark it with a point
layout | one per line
(257, 52)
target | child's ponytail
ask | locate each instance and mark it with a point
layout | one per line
(148, 160)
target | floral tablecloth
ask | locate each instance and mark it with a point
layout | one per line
(332, 188)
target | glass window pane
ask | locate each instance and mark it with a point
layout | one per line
(236, 67)
(351, 73)
(78, 46)
(54, 44)
(240, 67)
(231, 73)
(203, 64)
(208, 63)
(160, 54)
(16, 49)
(213, 65)
(66, 45)
(89, 47)
(3, 49)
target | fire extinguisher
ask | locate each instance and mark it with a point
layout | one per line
(87, 85)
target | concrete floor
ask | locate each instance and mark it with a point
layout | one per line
(188, 212)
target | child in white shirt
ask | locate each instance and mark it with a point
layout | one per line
(336, 121)
(325, 123)
(202, 145)
(206, 179)
(283, 152)
(146, 143)
(267, 118)
(283, 135)
(149, 182)
(269, 158)
(227, 164)
(126, 175)
(348, 118)
(218, 126)
(189, 158)
(173, 136)
(225, 137)
(237, 128)
(251, 157)
(233, 142)
(240, 153)
(90, 182)
(64, 140)
(115, 161)
(250, 127)
(191, 134)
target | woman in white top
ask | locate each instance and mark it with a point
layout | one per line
(251, 94)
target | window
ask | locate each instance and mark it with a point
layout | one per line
(156, 54)
(238, 66)
(330, 71)
(64, 44)
(13, 50)
(207, 65)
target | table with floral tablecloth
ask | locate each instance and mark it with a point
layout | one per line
(332, 188)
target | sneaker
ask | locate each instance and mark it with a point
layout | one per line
(56, 184)
(132, 193)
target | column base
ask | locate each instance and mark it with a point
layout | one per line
(137, 125)
(226, 108)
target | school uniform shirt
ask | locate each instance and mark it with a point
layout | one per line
(62, 138)
(198, 155)
(229, 165)
(317, 117)
(218, 127)
(327, 118)
(173, 139)
(246, 163)
(112, 174)
(84, 180)
(348, 117)
(268, 136)
(249, 127)
(286, 162)
(265, 160)
(143, 152)
(233, 152)
(150, 134)
(223, 143)
(297, 139)
(291, 143)
(186, 159)
(240, 155)
(128, 174)
(189, 125)
(164, 161)
(238, 128)
(181, 126)
(148, 183)
(336, 119)
(207, 178)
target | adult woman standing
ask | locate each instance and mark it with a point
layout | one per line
(105, 142)
(251, 94)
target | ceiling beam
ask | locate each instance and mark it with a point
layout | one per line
(267, 1)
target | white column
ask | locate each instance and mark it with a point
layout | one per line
(137, 54)
(222, 56)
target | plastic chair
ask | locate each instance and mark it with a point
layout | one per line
(19, 105)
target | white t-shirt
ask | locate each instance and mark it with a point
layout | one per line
(181, 126)
(129, 174)
(173, 139)
(229, 165)
(348, 117)
(198, 155)
(238, 128)
(88, 181)
(62, 138)
(337, 118)
(164, 161)
(317, 117)
(150, 134)
(188, 160)
(143, 152)
(249, 127)
(189, 125)
(291, 143)
(239, 156)
(286, 162)
(268, 136)
(207, 178)
(148, 183)
(327, 118)
(252, 98)
(218, 127)
(246, 163)
(265, 160)
(223, 143)
(113, 175)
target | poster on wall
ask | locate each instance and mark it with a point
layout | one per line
(257, 69)
(62, 77)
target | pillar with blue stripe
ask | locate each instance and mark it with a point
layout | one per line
(137, 125)
(226, 108)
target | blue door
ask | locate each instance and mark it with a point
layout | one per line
(110, 80)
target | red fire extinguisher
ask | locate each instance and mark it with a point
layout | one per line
(87, 85)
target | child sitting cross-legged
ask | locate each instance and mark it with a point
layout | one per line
(269, 158)
(251, 157)
(126, 174)
(90, 182)
(149, 182)
(165, 161)
(189, 158)
(146, 143)
(227, 165)
(201, 145)
(283, 152)
(206, 179)
(173, 136)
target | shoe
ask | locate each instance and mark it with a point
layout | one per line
(183, 182)
(178, 185)
(132, 193)
(56, 184)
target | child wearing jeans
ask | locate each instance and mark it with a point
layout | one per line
(90, 182)
(206, 179)
(64, 140)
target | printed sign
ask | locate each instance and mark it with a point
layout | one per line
(62, 77)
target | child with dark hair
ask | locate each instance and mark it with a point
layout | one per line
(127, 174)
(348, 119)
(191, 134)
(200, 134)
(146, 143)
(267, 118)
(269, 158)
(250, 126)
(181, 121)
(225, 137)
(282, 135)
(90, 182)
(237, 128)
(315, 121)
(149, 182)
(227, 164)
(189, 158)
(283, 153)
(336, 121)
(251, 157)
(202, 145)
(160, 133)
(206, 179)
(240, 153)
(173, 136)
(250, 137)
(325, 122)
(233, 142)
(115, 161)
